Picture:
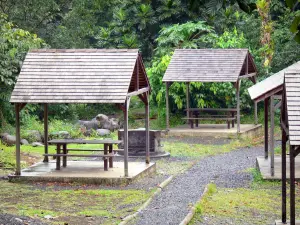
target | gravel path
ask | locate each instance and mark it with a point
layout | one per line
(226, 170)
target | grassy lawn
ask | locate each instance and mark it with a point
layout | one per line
(78, 206)
(259, 204)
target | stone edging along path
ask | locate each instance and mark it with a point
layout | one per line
(174, 203)
(160, 187)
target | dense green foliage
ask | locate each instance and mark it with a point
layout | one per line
(156, 28)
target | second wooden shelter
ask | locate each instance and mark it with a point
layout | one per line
(209, 65)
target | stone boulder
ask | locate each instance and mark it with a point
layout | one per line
(60, 135)
(8, 139)
(106, 123)
(89, 124)
(36, 144)
(103, 132)
(24, 142)
(34, 136)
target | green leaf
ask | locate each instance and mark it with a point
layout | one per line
(291, 3)
(297, 37)
(295, 24)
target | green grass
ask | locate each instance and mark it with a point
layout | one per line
(64, 205)
(199, 150)
(259, 204)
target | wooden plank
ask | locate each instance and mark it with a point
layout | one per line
(214, 109)
(62, 91)
(84, 141)
(135, 93)
(33, 83)
(167, 107)
(46, 159)
(18, 140)
(68, 101)
(126, 172)
(75, 76)
(72, 80)
(209, 118)
(68, 97)
(62, 88)
(80, 155)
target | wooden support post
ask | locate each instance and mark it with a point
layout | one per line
(18, 140)
(126, 137)
(238, 106)
(46, 159)
(65, 157)
(266, 127)
(272, 140)
(147, 129)
(283, 172)
(187, 99)
(58, 157)
(167, 107)
(255, 113)
(105, 159)
(292, 185)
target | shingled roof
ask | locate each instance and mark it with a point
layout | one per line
(270, 85)
(79, 76)
(292, 91)
(209, 65)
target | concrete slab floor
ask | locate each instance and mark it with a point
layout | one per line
(278, 222)
(216, 130)
(87, 172)
(264, 166)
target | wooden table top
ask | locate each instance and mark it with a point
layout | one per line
(84, 141)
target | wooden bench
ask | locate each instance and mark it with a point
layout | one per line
(107, 156)
(194, 115)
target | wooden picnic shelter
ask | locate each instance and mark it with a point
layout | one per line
(269, 90)
(98, 76)
(290, 124)
(209, 65)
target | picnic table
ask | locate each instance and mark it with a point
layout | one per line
(108, 152)
(194, 114)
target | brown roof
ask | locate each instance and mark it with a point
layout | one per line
(79, 76)
(292, 90)
(270, 85)
(209, 65)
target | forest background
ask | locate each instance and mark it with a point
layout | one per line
(269, 29)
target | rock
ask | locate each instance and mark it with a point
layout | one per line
(36, 144)
(8, 139)
(24, 142)
(34, 136)
(48, 217)
(19, 220)
(103, 132)
(64, 134)
(106, 123)
(93, 124)
(60, 134)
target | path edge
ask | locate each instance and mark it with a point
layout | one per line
(192, 210)
(134, 215)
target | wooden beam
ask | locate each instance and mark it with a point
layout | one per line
(22, 105)
(137, 76)
(143, 98)
(272, 139)
(238, 114)
(18, 139)
(255, 113)
(147, 127)
(247, 75)
(266, 117)
(283, 174)
(140, 91)
(46, 159)
(296, 151)
(268, 94)
(187, 99)
(284, 127)
(292, 186)
(167, 107)
(126, 138)
(121, 106)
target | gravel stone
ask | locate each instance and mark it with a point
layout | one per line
(226, 170)
(9, 219)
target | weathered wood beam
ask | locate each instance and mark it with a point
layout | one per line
(147, 127)
(137, 76)
(292, 186)
(187, 99)
(126, 138)
(167, 107)
(268, 94)
(238, 114)
(22, 105)
(121, 106)
(18, 139)
(283, 174)
(143, 98)
(46, 159)
(140, 91)
(247, 75)
(255, 113)
(266, 111)
(296, 151)
(284, 127)
(272, 140)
